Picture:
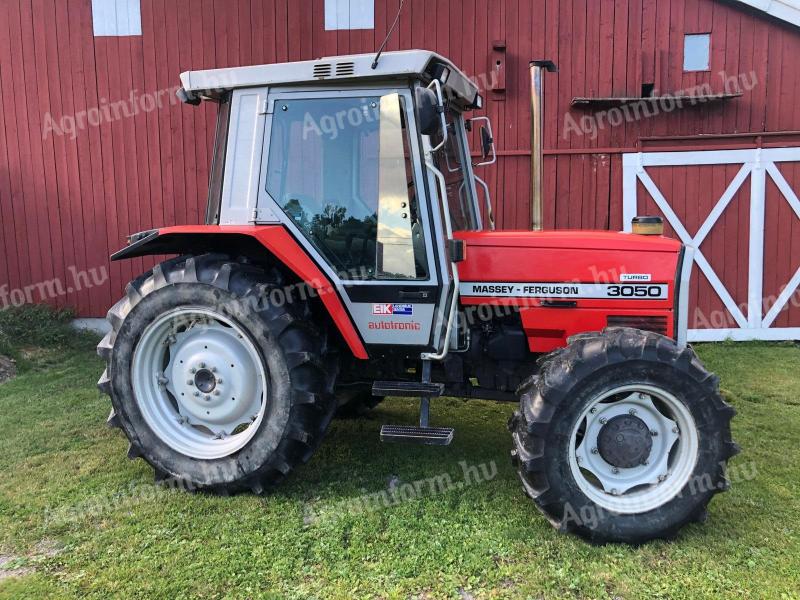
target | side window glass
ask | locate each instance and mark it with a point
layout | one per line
(340, 168)
(449, 160)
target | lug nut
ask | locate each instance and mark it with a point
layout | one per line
(202, 365)
(632, 412)
(189, 382)
(675, 430)
(219, 381)
(197, 394)
(661, 478)
(213, 369)
(208, 398)
(593, 410)
(653, 432)
(614, 492)
(615, 470)
(603, 420)
(645, 462)
(578, 459)
(216, 392)
(595, 450)
(192, 370)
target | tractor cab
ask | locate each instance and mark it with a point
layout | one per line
(370, 169)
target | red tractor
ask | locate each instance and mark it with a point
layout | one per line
(344, 259)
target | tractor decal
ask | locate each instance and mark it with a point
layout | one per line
(654, 291)
(387, 310)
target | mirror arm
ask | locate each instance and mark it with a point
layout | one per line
(440, 109)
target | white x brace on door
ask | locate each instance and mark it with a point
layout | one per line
(757, 164)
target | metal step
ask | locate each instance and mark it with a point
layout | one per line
(410, 434)
(410, 389)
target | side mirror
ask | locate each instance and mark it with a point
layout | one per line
(427, 108)
(487, 142)
(488, 152)
(430, 105)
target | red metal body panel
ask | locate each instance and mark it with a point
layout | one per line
(574, 257)
(278, 241)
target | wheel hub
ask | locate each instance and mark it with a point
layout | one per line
(200, 382)
(629, 454)
(205, 381)
(625, 442)
(211, 377)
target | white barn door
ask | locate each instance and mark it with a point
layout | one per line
(756, 165)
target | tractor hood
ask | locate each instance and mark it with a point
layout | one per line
(570, 238)
(568, 256)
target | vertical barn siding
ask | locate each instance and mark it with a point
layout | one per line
(68, 203)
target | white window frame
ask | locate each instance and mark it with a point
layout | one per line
(116, 18)
(349, 14)
(689, 49)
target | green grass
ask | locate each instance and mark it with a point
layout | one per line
(78, 519)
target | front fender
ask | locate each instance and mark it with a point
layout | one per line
(194, 239)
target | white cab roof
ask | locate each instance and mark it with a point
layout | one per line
(406, 64)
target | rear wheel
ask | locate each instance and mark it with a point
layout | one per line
(212, 384)
(622, 437)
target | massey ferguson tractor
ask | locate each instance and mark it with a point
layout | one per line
(345, 257)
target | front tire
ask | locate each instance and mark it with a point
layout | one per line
(214, 385)
(622, 437)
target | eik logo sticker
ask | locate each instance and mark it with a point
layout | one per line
(387, 309)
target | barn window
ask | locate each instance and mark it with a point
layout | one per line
(696, 52)
(116, 17)
(349, 14)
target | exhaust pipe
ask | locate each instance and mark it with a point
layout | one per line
(537, 69)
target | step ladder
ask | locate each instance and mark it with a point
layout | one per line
(411, 434)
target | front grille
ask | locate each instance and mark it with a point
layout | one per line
(645, 323)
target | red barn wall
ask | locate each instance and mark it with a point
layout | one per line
(67, 202)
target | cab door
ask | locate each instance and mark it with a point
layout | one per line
(343, 171)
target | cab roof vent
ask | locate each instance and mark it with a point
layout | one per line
(322, 70)
(345, 69)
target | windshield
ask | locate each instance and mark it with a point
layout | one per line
(341, 169)
(450, 160)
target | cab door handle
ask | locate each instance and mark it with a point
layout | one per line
(421, 295)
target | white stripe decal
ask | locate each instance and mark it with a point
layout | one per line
(614, 291)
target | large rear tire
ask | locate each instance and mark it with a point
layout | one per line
(214, 385)
(622, 437)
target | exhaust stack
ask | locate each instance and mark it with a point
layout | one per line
(537, 69)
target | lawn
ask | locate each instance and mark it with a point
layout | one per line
(77, 518)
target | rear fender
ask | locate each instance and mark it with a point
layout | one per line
(251, 241)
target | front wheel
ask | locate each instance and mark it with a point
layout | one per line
(622, 437)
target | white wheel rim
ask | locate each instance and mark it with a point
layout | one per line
(669, 464)
(199, 382)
